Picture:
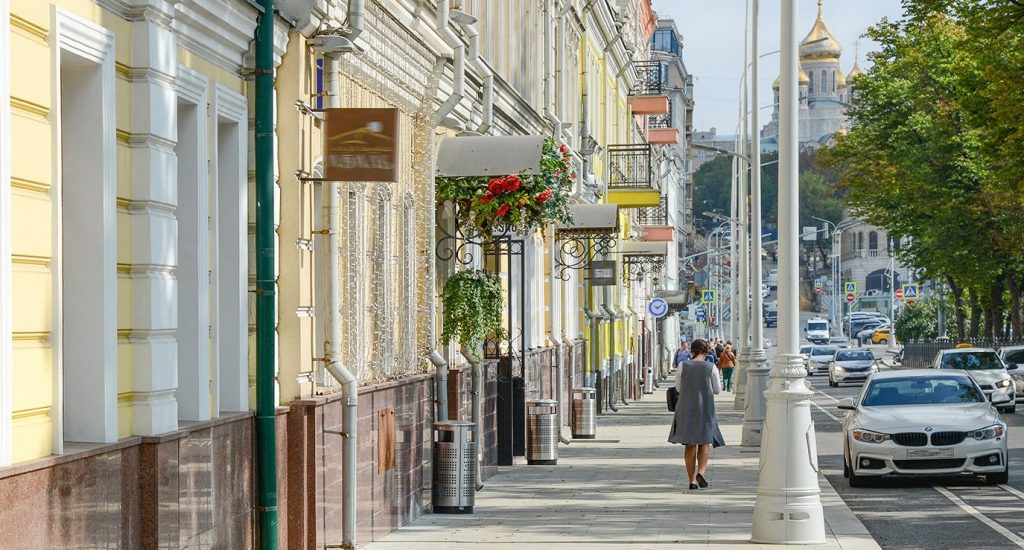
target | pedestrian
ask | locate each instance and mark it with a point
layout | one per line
(682, 354)
(726, 363)
(719, 347)
(695, 423)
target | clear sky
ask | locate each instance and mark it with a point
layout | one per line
(713, 46)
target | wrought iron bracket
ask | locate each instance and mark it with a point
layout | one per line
(637, 267)
(577, 249)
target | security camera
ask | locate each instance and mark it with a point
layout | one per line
(331, 43)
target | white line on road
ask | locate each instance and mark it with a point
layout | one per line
(1012, 491)
(1010, 535)
(834, 400)
(822, 409)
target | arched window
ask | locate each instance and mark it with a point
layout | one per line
(860, 240)
(833, 82)
(824, 82)
(873, 240)
(810, 87)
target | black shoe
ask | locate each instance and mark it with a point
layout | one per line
(694, 486)
(701, 481)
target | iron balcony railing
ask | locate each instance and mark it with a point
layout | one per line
(630, 166)
(648, 78)
(653, 216)
(658, 122)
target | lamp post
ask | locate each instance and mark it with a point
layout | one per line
(832, 295)
(837, 242)
(753, 359)
(788, 506)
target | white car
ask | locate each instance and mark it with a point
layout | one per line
(805, 353)
(988, 371)
(849, 365)
(765, 291)
(922, 422)
(819, 358)
(1013, 358)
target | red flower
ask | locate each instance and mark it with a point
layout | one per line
(513, 183)
(495, 186)
(545, 195)
(572, 176)
(503, 210)
(563, 148)
(486, 198)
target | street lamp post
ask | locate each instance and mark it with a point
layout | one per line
(788, 506)
(753, 361)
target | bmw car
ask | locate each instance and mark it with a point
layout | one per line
(922, 422)
(987, 369)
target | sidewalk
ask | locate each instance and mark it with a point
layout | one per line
(624, 491)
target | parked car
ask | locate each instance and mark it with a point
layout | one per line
(987, 369)
(865, 334)
(817, 331)
(771, 318)
(819, 358)
(858, 325)
(1013, 358)
(805, 353)
(881, 335)
(851, 365)
(765, 291)
(922, 422)
(839, 341)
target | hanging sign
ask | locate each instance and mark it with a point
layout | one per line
(602, 273)
(361, 145)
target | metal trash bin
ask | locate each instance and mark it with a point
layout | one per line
(584, 413)
(648, 380)
(542, 432)
(454, 467)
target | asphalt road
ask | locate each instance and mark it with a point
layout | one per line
(925, 513)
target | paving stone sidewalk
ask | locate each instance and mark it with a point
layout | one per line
(628, 491)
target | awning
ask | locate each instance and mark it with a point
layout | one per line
(468, 156)
(591, 219)
(633, 248)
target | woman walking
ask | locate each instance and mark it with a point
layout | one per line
(726, 363)
(695, 423)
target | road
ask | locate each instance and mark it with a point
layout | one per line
(920, 513)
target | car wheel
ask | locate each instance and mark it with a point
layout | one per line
(832, 383)
(1009, 410)
(855, 480)
(998, 478)
(846, 466)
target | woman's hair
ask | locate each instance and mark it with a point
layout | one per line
(728, 347)
(700, 347)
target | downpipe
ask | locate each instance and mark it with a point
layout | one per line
(477, 408)
(612, 317)
(485, 72)
(595, 349)
(549, 95)
(624, 389)
(556, 330)
(459, 61)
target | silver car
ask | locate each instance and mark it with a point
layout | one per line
(1013, 357)
(819, 358)
(987, 369)
(851, 365)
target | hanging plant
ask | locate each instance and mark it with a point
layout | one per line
(472, 308)
(522, 203)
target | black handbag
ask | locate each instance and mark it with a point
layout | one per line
(671, 395)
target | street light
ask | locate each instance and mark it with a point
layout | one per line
(832, 294)
(788, 506)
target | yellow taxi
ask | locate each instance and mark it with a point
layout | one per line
(881, 336)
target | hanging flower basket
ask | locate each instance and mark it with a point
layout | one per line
(472, 308)
(517, 202)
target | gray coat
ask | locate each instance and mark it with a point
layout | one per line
(695, 421)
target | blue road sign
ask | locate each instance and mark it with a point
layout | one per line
(910, 291)
(657, 307)
(709, 296)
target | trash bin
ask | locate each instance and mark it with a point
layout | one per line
(584, 413)
(542, 432)
(454, 467)
(648, 380)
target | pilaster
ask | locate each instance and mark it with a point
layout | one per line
(6, 376)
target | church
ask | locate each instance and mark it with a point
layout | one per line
(824, 90)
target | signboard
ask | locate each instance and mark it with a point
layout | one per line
(850, 287)
(361, 145)
(899, 293)
(602, 273)
(709, 296)
(810, 233)
(657, 307)
(910, 291)
(850, 298)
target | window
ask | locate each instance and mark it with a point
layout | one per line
(824, 82)
(833, 82)
(873, 240)
(811, 86)
(664, 40)
(860, 240)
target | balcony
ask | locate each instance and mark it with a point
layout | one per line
(660, 129)
(648, 95)
(653, 223)
(631, 182)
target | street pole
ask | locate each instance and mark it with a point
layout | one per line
(891, 340)
(741, 342)
(754, 362)
(734, 206)
(788, 506)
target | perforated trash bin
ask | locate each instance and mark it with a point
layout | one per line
(584, 413)
(454, 467)
(648, 380)
(542, 431)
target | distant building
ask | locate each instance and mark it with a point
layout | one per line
(866, 252)
(699, 154)
(824, 90)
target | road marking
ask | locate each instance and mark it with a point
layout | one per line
(822, 409)
(834, 400)
(1012, 491)
(1010, 535)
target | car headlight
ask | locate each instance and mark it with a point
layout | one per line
(1004, 383)
(870, 437)
(990, 432)
(839, 369)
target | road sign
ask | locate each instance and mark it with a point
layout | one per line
(850, 297)
(709, 296)
(899, 293)
(657, 307)
(850, 287)
(910, 291)
(911, 302)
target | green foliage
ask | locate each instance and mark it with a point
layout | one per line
(918, 321)
(472, 308)
(519, 202)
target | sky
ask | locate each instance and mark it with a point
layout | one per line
(713, 46)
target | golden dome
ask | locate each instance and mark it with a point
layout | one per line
(840, 79)
(804, 80)
(854, 73)
(820, 43)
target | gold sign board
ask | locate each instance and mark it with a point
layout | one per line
(361, 145)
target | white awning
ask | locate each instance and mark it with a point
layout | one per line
(468, 156)
(634, 248)
(592, 218)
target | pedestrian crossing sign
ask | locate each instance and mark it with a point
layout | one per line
(850, 287)
(709, 296)
(910, 291)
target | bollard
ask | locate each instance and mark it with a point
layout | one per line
(542, 432)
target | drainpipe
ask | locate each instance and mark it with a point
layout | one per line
(468, 24)
(436, 359)
(459, 60)
(549, 90)
(612, 317)
(556, 332)
(478, 393)
(625, 316)
(595, 316)
(266, 349)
